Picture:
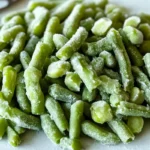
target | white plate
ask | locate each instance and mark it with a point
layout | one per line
(38, 141)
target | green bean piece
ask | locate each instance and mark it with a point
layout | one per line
(41, 51)
(131, 109)
(89, 4)
(101, 3)
(2, 45)
(134, 54)
(59, 40)
(135, 124)
(34, 93)
(104, 96)
(73, 81)
(101, 112)
(3, 127)
(71, 144)
(38, 25)
(89, 96)
(63, 10)
(62, 94)
(87, 23)
(109, 8)
(5, 59)
(87, 111)
(29, 17)
(9, 35)
(109, 59)
(75, 119)
(122, 130)
(73, 44)
(133, 21)
(134, 35)
(85, 71)
(94, 48)
(99, 15)
(18, 44)
(22, 99)
(99, 133)
(18, 67)
(73, 21)
(122, 58)
(9, 82)
(142, 81)
(144, 48)
(98, 64)
(25, 59)
(137, 96)
(16, 20)
(56, 112)
(66, 108)
(50, 128)
(144, 18)
(88, 13)
(145, 29)
(101, 26)
(147, 61)
(30, 46)
(7, 17)
(109, 85)
(13, 137)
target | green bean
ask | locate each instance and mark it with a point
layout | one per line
(9, 34)
(2, 45)
(104, 96)
(56, 112)
(99, 15)
(3, 127)
(89, 96)
(59, 40)
(146, 61)
(22, 99)
(142, 81)
(25, 59)
(73, 81)
(58, 69)
(73, 44)
(34, 93)
(109, 8)
(133, 21)
(50, 128)
(63, 10)
(109, 59)
(85, 71)
(101, 26)
(134, 54)
(131, 109)
(122, 130)
(99, 133)
(145, 29)
(71, 144)
(94, 48)
(38, 25)
(13, 137)
(88, 13)
(18, 44)
(66, 108)
(145, 18)
(144, 48)
(89, 4)
(75, 119)
(41, 51)
(5, 59)
(122, 58)
(29, 17)
(62, 94)
(18, 67)
(87, 23)
(73, 21)
(135, 124)
(30, 46)
(134, 35)
(9, 82)
(137, 96)
(101, 3)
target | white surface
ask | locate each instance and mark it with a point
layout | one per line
(38, 141)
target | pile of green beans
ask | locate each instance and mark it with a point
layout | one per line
(74, 68)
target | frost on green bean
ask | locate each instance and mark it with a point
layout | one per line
(3, 127)
(18, 67)
(87, 23)
(101, 112)
(73, 44)
(85, 71)
(29, 17)
(146, 59)
(145, 29)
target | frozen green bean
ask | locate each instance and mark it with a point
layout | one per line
(29, 17)
(34, 93)
(18, 67)
(88, 12)
(99, 133)
(75, 119)
(104, 96)
(144, 48)
(2, 45)
(87, 23)
(122, 130)
(3, 127)
(145, 18)
(145, 29)
(122, 58)
(66, 108)
(73, 21)
(63, 94)
(50, 128)
(146, 59)
(73, 44)
(56, 112)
